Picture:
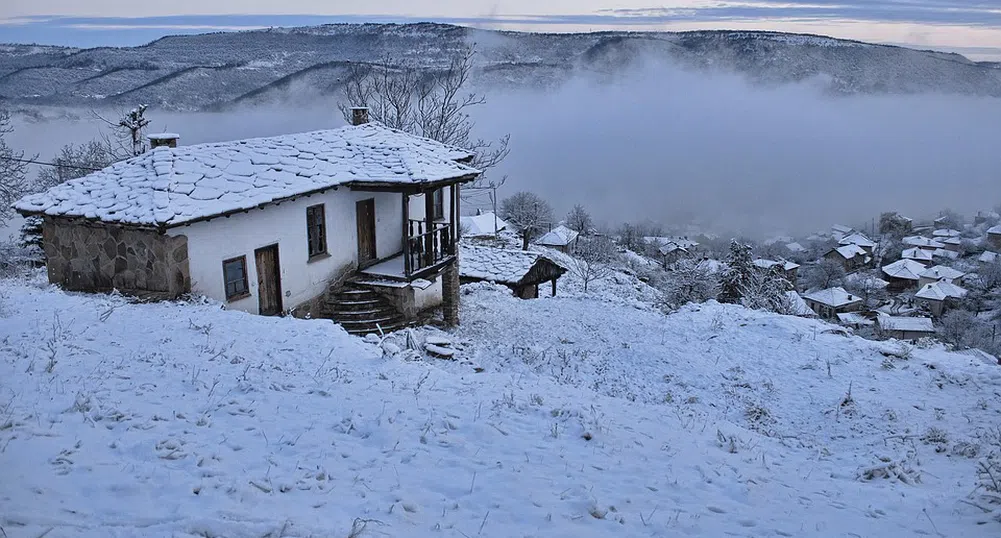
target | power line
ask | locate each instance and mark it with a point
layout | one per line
(55, 165)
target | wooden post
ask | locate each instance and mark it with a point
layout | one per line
(429, 220)
(406, 234)
(453, 219)
(554, 287)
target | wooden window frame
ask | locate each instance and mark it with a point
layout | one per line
(438, 203)
(246, 282)
(312, 227)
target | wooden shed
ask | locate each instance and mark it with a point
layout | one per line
(520, 270)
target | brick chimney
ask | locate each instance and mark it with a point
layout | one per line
(359, 115)
(168, 140)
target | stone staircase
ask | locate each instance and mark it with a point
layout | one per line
(361, 311)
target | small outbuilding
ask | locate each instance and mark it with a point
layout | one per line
(482, 225)
(994, 236)
(939, 295)
(520, 270)
(905, 328)
(560, 238)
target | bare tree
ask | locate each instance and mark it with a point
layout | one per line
(431, 103)
(529, 213)
(592, 259)
(128, 138)
(867, 286)
(579, 220)
(75, 161)
(825, 274)
(12, 169)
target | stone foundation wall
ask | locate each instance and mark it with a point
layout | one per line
(98, 257)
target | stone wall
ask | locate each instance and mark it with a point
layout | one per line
(100, 257)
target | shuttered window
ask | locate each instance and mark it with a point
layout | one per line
(316, 230)
(439, 204)
(234, 273)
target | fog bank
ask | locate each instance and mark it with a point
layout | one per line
(677, 147)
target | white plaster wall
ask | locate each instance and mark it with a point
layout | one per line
(211, 242)
(429, 297)
(417, 205)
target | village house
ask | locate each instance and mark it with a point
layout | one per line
(924, 257)
(939, 272)
(945, 232)
(860, 240)
(833, 301)
(268, 225)
(905, 328)
(787, 269)
(994, 237)
(852, 257)
(560, 238)
(937, 296)
(485, 224)
(952, 244)
(796, 248)
(839, 231)
(945, 253)
(922, 242)
(855, 320)
(520, 270)
(989, 257)
(985, 217)
(903, 274)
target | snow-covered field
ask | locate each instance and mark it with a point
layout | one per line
(590, 417)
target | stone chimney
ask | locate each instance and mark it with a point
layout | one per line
(168, 140)
(359, 115)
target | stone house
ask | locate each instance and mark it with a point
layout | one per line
(267, 225)
(923, 242)
(859, 239)
(938, 296)
(520, 270)
(833, 301)
(852, 257)
(940, 272)
(903, 274)
(994, 237)
(922, 256)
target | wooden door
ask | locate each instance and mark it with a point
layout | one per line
(365, 211)
(269, 281)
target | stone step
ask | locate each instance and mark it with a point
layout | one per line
(364, 315)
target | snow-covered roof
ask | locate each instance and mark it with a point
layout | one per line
(923, 242)
(950, 240)
(946, 232)
(943, 253)
(857, 239)
(842, 229)
(940, 291)
(904, 269)
(833, 297)
(795, 247)
(503, 266)
(916, 253)
(994, 230)
(898, 323)
(482, 224)
(174, 186)
(867, 280)
(559, 236)
(942, 272)
(989, 257)
(850, 251)
(682, 242)
(768, 264)
(852, 318)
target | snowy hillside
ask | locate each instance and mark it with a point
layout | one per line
(220, 70)
(567, 416)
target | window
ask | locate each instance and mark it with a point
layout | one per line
(316, 230)
(439, 204)
(234, 272)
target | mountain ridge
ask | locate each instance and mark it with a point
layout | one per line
(224, 69)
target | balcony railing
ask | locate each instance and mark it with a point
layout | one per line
(426, 247)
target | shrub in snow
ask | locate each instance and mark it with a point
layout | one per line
(989, 472)
(689, 282)
(935, 436)
(823, 275)
(592, 259)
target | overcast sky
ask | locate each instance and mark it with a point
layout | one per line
(971, 27)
